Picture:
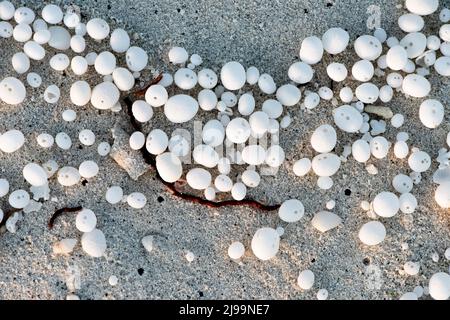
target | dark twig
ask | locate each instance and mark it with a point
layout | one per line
(60, 212)
(171, 187)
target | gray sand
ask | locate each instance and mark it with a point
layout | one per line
(266, 34)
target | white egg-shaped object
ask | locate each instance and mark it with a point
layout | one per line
(80, 93)
(98, 29)
(123, 79)
(259, 122)
(223, 183)
(367, 93)
(178, 55)
(105, 63)
(12, 91)
(233, 76)
(137, 59)
(86, 220)
(19, 199)
(386, 93)
(238, 130)
(34, 174)
(198, 178)
(239, 191)
(157, 141)
(335, 40)
(302, 167)
(368, 47)
(422, 7)
(396, 58)
(169, 167)
(324, 138)
(386, 204)
(136, 200)
(105, 95)
(252, 75)
(119, 41)
(22, 32)
(347, 118)
(94, 243)
(246, 104)
(142, 111)
(88, 169)
(414, 43)
(372, 233)
(419, 161)
(274, 156)
(156, 95)
(402, 183)
(379, 147)
(79, 65)
(326, 164)
(431, 113)
(213, 133)
(236, 250)
(63, 141)
(185, 78)
(305, 279)
(7, 10)
(291, 210)
(254, 155)
(416, 86)
(68, 176)
(114, 194)
(288, 95)
(266, 84)
(77, 44)
(401, 149)
(4, 187)
(20, 62)
(205, 155)
(442, 66)
(34, 50)
(265, 243)
(410, 22)
(11, 141)
(337, 71)
(442, 195)
(180, 108)
(207, 78)
(207, 99)
(251, 178)
(273, 108)
(300, 72)
(179, 146)
(408, 203)
(59, 38)
(363, 71)
(311, 50)
(439, 285)
(361, 150)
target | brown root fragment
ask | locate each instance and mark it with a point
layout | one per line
(60, 212)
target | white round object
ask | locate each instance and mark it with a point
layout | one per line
(326, 164)
(402, 183)
(180, 108)
(63, 141)
(86, 220)
(98, 29)
(410, 22)
(207, 99)
(94, 243)
(289, 95)
(68, 176)
(52, 14)
(236, 250)
(72, 19)
(185, 79)
(178, 55)
(396, 58)
(196, 60)
(137, 140)
(105, 63)
(259, 122)
(251, 178)
(80, 93)
(394, 80)
(414, 43)
(35, 175)
(119, 41)
(335, 40)
(442, 66)
(11, 141)
(302, 167)
(87, 137)
(19, 199)
(59, 38)
(361, 150)
(367, 93)
(324, 139)
(346, 94)
(401, 149)
(431, 113)
(324, 183)
(39, 24)
(207, 78)
(300, 72)
(305, 279)
(347, 118)
(419, 161)
(79, 65)
(233, 76)
(103, 148)
(198, 178)
(252, 75)
(4, 187)
(397, 120)
(322, 294)
(386, 204)
(266, 84)
(238, 130)
(42, 36)
(223, 183)
(363, 70)
(368, 47)
(265, 243)
(205, 155)
(91, 57)
(179, 146)
(45, 140)
(88, 169)
(34, 80)
(433, 42)
(379, 147)
(372, 233)
(123, 79)
(59, 62)
(422, 7)
(444, 32)
(311, 50)
(22, 32)
(12, 91)
(156, 95)
(6, 29)
(213, 133)
(169, 167)
(136, 58)
(142, 111)
(275, 156)
(114, 195)
(337, 71)
(136, 200)
(386, 93)
(439, 286)
(6, 10)
(239, 191)
(254, 155)
(416, 86)
(77, 44)
(105, 95)
(273, 108)
(408, 203)
(291, 210)
(34, 50)
(20, 62)
(157, 141)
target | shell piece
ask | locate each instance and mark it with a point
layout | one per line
(325, 221)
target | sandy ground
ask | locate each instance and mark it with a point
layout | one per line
(266, 34)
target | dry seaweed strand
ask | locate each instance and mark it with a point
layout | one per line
(171, 187)
(60, 212)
